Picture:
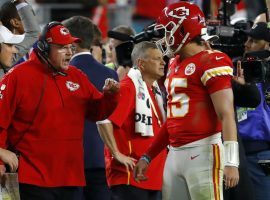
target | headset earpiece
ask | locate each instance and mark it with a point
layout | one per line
(42, 44)
(43, 47)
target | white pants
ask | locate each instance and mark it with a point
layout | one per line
(195, 171)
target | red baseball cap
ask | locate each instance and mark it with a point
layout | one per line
(60, 35)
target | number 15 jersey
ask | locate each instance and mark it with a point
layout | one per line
(190, 112)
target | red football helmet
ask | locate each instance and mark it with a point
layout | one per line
(182, 22)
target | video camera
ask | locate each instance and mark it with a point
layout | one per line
(124, 50)
(232, 38)
(231, 35)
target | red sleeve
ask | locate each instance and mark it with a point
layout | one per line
(126, 103)
(100, 105)
(9, 96)
(159, 143)
(218, 83)
(217, 71)
(101, 108)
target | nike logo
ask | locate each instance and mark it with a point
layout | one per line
(219, 58)
(193, 157)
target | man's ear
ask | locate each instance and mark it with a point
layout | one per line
(15, 23)
(140, 64)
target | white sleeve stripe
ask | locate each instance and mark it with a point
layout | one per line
(218, 71)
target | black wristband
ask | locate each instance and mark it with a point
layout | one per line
(146, 158)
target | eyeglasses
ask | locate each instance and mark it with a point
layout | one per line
(65, 48)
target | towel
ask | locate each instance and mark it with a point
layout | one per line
(143, 105)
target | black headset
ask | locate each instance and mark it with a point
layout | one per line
(44, 47)
(42, 44)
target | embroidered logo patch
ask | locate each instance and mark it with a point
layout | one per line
(72, 86)
(141, 95)
(193, 157)
(219, 58)
(2, 88)
(190, 69)
(64, 31)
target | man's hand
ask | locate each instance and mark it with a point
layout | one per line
(10, 159)
(111, 86)
(140, 170)
(125, 160)
(231, 176)
(239, 78)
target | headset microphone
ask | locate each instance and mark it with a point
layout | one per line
(62, 73)
(51, 65)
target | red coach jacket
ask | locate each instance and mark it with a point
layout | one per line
(42, 115)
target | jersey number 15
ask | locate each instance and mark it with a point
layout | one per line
(178, 103)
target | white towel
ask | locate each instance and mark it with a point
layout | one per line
(143, 113)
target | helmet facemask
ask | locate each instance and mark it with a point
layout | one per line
(166, 43)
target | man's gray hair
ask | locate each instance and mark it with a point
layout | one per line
(139, 50)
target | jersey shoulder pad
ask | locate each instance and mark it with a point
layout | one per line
(215, 64)
(212, 59)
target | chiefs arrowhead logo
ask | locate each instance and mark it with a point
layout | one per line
(3, 87)
(64, 31)
(179, 12)
(72, 86)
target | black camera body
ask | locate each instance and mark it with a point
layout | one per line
(231, 37)
(256, 67)
(124, 50)
(123, 53)
(256, 71)
(231, 34)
